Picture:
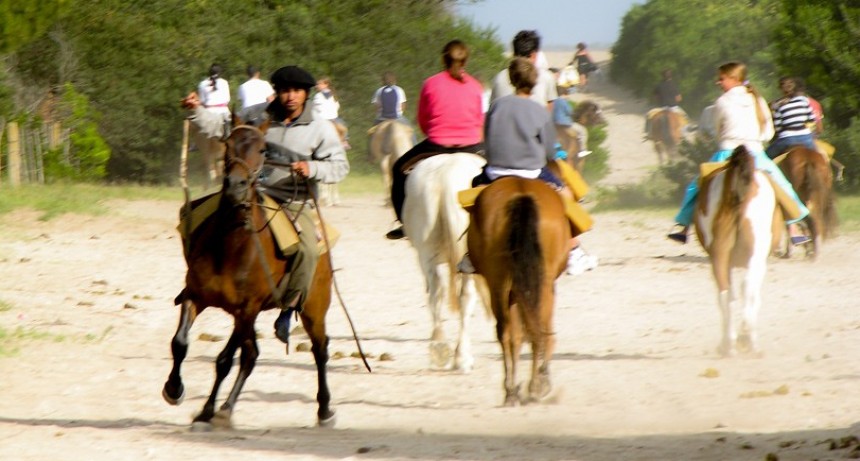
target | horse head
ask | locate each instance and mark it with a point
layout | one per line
(243, 161)
(587, 113)
(190, 102)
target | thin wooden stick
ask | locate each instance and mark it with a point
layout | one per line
(183, 179)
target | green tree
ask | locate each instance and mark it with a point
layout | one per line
(693, 37)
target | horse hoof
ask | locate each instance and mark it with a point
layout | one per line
(222, 419)
(327, 422)
(173, 401)
(201, 426)
(440, 355)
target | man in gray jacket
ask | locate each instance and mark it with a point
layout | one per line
(301, 152)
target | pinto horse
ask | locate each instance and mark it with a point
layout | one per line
(518, 241)
(233, 263)
(435, 224)
(811, 177)
(389, 140)
(210, 145)
(665, 133)
(738, 224)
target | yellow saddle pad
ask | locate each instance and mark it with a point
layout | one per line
(580, 220)
(789, 207)
(281, 226)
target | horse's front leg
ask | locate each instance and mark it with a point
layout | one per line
(463, 359)
(222, 368)
(174, 391)
(248, 359)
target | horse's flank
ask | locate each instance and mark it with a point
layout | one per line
(810, 175)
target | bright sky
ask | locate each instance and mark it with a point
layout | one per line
(561, 23)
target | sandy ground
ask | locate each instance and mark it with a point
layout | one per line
(89, 308)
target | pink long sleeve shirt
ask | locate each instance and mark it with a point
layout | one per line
(450, 111)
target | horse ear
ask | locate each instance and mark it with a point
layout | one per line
(264, 127)
(237, 121)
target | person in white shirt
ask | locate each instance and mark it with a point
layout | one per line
(326, 106)
(742, 117)
(255, 90)
(214, 92)
(526, 44)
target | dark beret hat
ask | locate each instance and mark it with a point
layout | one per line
(292, 76)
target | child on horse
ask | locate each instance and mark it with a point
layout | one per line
(520, 141)
(742, 117)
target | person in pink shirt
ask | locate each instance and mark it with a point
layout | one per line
(450, 113)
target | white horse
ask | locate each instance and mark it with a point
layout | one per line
(436, 224)
(738, 224)
(389, 140)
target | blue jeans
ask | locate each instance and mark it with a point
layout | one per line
(782, 144)
(763, 163)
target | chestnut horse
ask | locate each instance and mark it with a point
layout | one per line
(518, 241)
(811, 177)
(665, 133)
(435, 224)
(738, 224)
(586, 113)
(389, 140)
(233, 263)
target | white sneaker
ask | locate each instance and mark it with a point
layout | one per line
(584, 153)
(465, 265)
(578, 262)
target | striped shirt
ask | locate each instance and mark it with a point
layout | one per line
(792, 117)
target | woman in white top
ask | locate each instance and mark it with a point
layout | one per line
(742, 117)
(327, 107)
(214, 92)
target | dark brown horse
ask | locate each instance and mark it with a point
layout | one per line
(665, 133)
(233, 263)
(518, 241)
(811, 177)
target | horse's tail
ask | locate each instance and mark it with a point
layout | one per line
(742, 166)
(523, 244)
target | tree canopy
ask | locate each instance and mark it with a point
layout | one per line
(135, 60)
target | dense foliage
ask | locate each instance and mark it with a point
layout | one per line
(813, 39)
(135, 60)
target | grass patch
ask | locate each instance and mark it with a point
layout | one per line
(57, 199)
(11, 341)
(848, 208)
(5, 306)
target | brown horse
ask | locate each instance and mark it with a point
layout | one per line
(586, 113)
(665, 133)
(518, 241)
(210, 145)
(233, 263)
(811, 177)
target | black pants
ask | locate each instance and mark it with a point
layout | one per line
(398, 176)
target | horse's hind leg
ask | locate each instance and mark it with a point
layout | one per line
(463, 359)
(437, 288)
(222, 368)
(543, 347)
(313, 319)
(509, 333)
(748, 339)
(174, 391)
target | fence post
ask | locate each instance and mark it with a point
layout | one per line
(14, 155)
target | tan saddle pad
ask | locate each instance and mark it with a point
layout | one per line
(790, 210)
(282, 228)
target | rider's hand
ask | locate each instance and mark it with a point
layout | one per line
(302, 169)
